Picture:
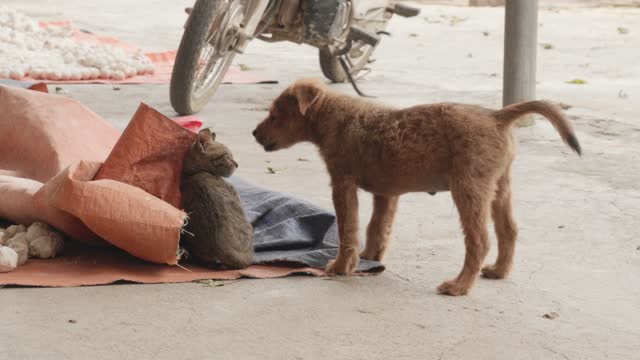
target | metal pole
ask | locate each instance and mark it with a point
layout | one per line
(520, 45)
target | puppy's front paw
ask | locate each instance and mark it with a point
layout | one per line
(495, 272)
(453, 288)
(342, 265)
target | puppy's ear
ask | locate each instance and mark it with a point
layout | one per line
(213, 136)
(204, 136)
(307, 93)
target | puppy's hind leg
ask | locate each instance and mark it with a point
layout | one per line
(473, 202)
(506, 230)
(379, 229)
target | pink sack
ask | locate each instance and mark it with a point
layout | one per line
(25, 201)
(41, 134)
(16, 199)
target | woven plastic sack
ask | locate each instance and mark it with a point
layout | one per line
(149, 155)
(41, 134)
(124, 215)
(43, 141)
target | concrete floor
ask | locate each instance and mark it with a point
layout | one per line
(578, 251)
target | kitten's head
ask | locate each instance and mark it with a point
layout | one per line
(207, 155)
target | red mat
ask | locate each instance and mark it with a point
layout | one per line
(96, 266)
(162, 61)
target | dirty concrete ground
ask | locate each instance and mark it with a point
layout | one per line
(578, 251)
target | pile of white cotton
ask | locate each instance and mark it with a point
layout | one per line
(51, 53)
(18, 243)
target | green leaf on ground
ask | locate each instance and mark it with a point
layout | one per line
(211, 283)
(623, 30)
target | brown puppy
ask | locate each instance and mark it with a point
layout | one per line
(465, 149)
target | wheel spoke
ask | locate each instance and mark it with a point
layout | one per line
(221, 15)
(205, 69)
(215, 57)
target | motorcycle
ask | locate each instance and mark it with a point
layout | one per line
(346, 32)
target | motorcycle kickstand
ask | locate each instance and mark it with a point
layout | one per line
(347, 71)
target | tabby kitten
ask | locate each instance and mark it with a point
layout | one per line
(218, 231)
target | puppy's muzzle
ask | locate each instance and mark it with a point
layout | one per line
(268, 146)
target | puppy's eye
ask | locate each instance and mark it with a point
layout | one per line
(275, 120)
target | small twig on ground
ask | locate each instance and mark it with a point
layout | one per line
(213, 283)
(551, 316)
(183, 268)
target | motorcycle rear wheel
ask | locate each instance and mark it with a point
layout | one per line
(374, 20)
(332, 69)
(205, 53)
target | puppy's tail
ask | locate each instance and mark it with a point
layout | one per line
(550, 111)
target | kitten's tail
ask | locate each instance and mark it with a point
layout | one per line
(547, 109)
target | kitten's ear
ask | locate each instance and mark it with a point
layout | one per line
(204, 136)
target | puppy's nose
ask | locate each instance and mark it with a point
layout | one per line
(254, 132)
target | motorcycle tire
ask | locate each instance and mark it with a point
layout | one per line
(183, 99)
(332, 69)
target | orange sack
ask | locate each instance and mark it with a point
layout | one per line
(59, 142)
(149, 155)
